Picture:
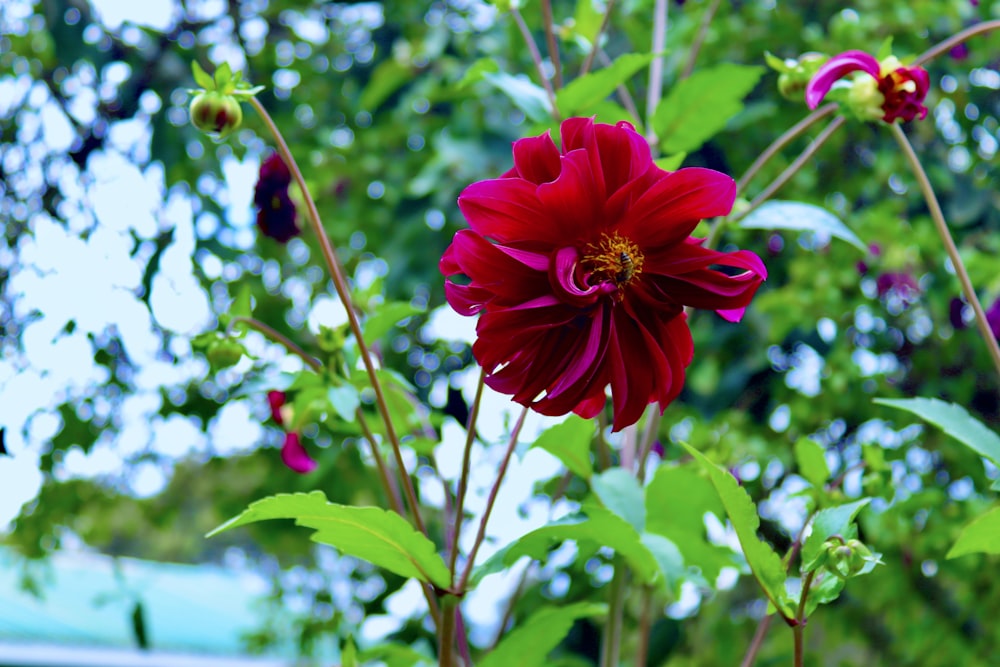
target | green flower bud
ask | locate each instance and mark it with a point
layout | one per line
(215, 113)
(795, 74)
(224, 353)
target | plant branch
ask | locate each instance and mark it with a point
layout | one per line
(799, 628)
(536, 57)
(463, 482)
(699, 38)
(949, 244)
(611, 641)
(655, 88)
(596, 45)
(550, 41)
(491, 499)
(446, 631)
(758, 640)
(645, 625)
(955, 40)
(280, 338)
(344, 293)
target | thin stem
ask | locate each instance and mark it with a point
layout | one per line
(490, 500)
(655, 88)
(446, 631)
(949, 244)
(344, 293)
(799, 628)
(792, 169)
(648, 438)
(623, 94)
(463, 482)
(536, 57)
(955, 40)
(597, 40)
(699, 39)
(758, 640)
(280, 338)
(645, 625)
(611, 642)
(550, 41)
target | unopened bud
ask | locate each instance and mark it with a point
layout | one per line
(216, 113)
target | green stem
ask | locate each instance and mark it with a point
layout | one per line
(758, 640)
(536, 57)
(655, 89)
(949, 244)
(344, 293)
(463, 482)
(799, 628)
(550, 41)
(491, 499)
(645, 625)
(955, 40)
(280, 338)
(611, 642)
(597, 40)
(446, 631)
(699, 39)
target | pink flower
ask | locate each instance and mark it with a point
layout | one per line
(890, 90)
(275, 209)
(295, 455)
(579, 263)
(276, 401)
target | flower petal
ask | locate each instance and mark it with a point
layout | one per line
(507, 210)
(536, 159)
(837, 68)
(295, 456)
(572, 202)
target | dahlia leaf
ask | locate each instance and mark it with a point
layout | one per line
(671, 162)
(764, 562)
(476, 72)
(831, 521)
(526, 96)
(585, 91)
(811, 460)
(386, 317)
(981, 536)
(620, 492)
(797, 216)
(954, 420)
(669, 558)
(530, 643)
(699, 107)
(345, 401)
(569, 442)
(383, 538)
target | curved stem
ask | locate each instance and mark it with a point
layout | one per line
(536, 57)
(758, 640)
(949, 244)
(955, 40)
(597, 40)
(463, 482)
(280, 338)
(550, 41)
(344, 293)
(655, 88)
(490, 501)
(699, 39)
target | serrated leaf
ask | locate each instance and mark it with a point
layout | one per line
(764, 562)
(698, 107)
(526, 96)
(380, 537)
(668, 557)
(811, 460)
(677, 498)
(801, 217)
(619, 491)
(570, 443)
(953, 420)
(671, 162)
(981, 536)
(832, 521)
(592, 88)
(385, 318)
(345, 400)
(529, 644)
(201, 77)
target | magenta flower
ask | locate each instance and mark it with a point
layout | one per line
(890, 90)
(293, 454)
(275, 208)
(579, 263)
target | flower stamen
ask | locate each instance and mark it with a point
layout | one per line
(613, 258)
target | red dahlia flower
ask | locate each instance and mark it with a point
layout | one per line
(890, 90)
(579, 262)
(275, 209)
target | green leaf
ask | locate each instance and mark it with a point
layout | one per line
(953, 420)
(380, 537)
(884, 49)
(827, 590)
(385, 318)
(529, 644)
(345, 400)
(587, 20)
(591, 88)
(526, 96)
(201, 77)
(620, 492)
(832, 521)
(242, 304)
(699, 107)
(763, 561)
(981, 536)
(477, 71)
(677, 499)
(349, 654)
(669, 559)
(396, 655)
(388, 77)
(797, 216)
(810, 458)
(223, 75)
(570, 443)
(671, 162)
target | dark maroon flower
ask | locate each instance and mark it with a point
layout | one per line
(579, 263)
(993, 318)
(276, 400)
(275, 209)
(295, 455)
(956, 313)
(902, 283)
(890, 90)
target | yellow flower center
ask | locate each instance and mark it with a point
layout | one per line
(613, 258)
